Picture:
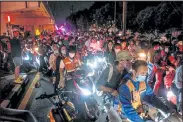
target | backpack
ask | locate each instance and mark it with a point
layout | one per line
(110, 73)
(59, 58)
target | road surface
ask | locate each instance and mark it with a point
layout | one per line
(40, 108)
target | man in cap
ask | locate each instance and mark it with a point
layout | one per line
(111, 77)
(16, 53)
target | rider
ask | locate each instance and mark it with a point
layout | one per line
(94, 46)
(60, 57)
(70, 64)
(52, 60)
(135, 90)
(111, 77)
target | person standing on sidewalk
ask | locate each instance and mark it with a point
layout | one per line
(16, 53)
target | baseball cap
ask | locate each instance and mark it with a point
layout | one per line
(123, 55)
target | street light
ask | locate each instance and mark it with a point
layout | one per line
(124, 16)
(9, 19)
(9, 24)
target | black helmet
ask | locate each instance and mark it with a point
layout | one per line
(72, 49)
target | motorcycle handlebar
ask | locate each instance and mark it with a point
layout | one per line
(43, 96)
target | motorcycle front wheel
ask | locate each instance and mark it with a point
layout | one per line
(91, 111)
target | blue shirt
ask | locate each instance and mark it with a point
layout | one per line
(125, 99)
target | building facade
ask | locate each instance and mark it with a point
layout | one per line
(32, 16)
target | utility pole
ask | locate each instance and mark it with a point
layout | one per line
(71, 10)
(124, 16)
(115, 13)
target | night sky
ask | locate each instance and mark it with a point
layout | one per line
(61, 9)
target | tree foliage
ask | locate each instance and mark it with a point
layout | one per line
(140, 15)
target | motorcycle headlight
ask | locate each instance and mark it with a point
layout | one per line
(26, 58)
(101, 59)
(92, 65)
(85, 92)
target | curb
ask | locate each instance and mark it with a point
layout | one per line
(15, 92)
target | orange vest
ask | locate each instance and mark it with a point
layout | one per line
(71, 66)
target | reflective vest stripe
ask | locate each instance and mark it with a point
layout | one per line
(135, 95)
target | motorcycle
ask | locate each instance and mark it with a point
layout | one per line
(150, 113)
(160, 116)
(113, 108)
(97, 63)
(64, 110)
(83, 95)
(28, 63)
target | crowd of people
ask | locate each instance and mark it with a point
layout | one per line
(136, 69)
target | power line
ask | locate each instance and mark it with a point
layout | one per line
(177, 6)
(174, 8)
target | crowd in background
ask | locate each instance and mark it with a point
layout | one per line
(163, 54)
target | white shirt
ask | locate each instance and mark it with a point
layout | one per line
(178, 77)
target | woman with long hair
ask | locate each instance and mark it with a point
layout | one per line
(110, 54)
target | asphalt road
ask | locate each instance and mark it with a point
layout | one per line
(40, 108)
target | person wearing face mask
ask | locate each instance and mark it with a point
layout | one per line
(53, 58)
(178, 79)
(110, 54)
(70, 64)
(94, 46)
(156, 75)
(117, 48)
(61, 56)
(63, 51)
(135, 90)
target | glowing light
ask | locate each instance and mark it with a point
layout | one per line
(36, 49)
(26, 58)
(170, 94)
(56, 27)
(63, 29)
(142, 55)
(37, 32)
(9, 19)
(85, 92)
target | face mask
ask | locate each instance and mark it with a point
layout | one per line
(117, 50)
(63, 52)
(71, 55)
(166, 50)
(140, 78)
(56, 52)
(60, 43)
